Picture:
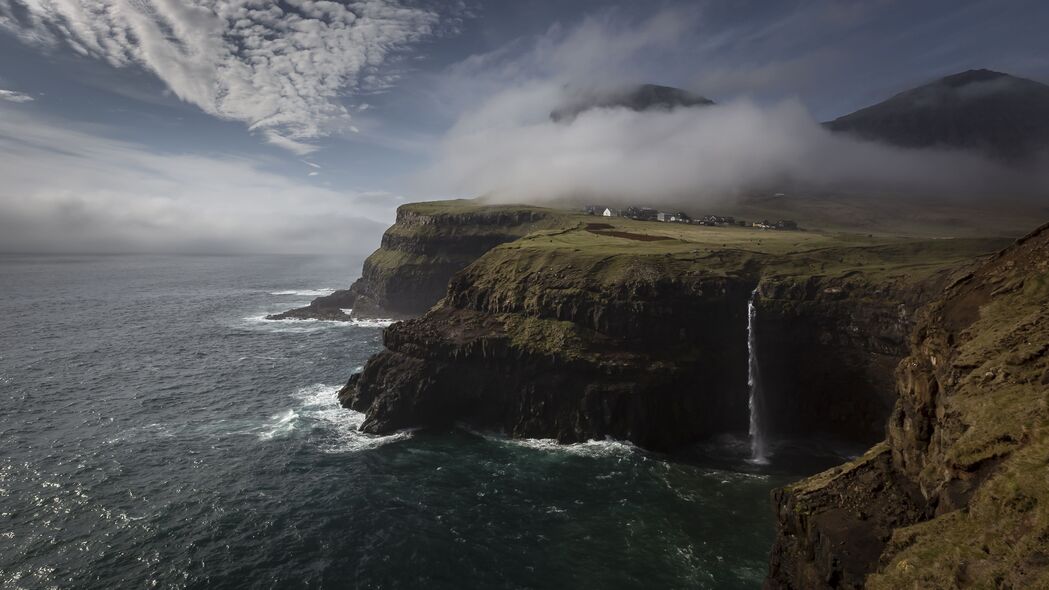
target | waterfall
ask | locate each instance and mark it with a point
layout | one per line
(757, 439)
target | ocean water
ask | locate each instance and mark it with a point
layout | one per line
(157, 432)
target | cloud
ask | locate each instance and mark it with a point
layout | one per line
(691, 153)
(298, 148)
(506, 147)
(13, 96)
(280, 68)
(72, 190)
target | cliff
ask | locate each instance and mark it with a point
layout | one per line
(638, 331)
(419, 253)
(956, 496)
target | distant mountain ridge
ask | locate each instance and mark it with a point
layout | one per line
(995, 113)
(638, 98)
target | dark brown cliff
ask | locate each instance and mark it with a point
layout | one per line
(591, 332)
(418, 255)
(957, 494)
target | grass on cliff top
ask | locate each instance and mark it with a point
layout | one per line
(467, 206)
(617, 247)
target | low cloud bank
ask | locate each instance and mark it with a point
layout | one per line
(69, 190)
(510, 150)
(507, 147)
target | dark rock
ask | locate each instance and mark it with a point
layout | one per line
(418, 255)
(956, 492)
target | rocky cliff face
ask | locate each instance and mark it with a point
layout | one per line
(590, 332)
(418, 255)
(957, 494)
(541, 352)
(823, 340)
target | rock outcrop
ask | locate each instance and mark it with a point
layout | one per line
(592, 332)
(418, 255)
(542, 352)
(823, 340)
(957, 495)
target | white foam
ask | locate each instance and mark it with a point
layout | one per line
(592, 448)
(318, 407)
(372, 322)
(280, 424)
(305, 292)
(314, 324)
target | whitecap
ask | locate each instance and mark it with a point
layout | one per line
(305, 292)
(609, 447)
(317, 407)
(280, 424)
(372, 322)
(314, 324)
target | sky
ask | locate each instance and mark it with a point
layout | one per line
(300, 125)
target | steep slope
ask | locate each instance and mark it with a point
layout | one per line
(957, 495)
(992, 112)
(639, 98)
(638, 331)
(428, 244)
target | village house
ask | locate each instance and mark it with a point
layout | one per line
(641, 213)
(784, 224)
(716, 220)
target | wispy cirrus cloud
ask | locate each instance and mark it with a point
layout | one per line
(282, 69)
(13, 96)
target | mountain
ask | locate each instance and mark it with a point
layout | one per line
(639, 98)
(995, 113)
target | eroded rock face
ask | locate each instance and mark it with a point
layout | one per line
(833, 527)
(657, 354)
(657, 363)
(417, 257)
(828, 349)
(957, 496)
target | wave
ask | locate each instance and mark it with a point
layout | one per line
(608, 447)
(305, 292)
(372, 322)
(317, 409)
(297, 325)
(282, 423)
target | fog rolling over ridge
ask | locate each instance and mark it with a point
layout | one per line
(522, 146)
(298, 127)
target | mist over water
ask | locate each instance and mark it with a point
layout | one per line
(157, 431)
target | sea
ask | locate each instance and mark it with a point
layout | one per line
(158, 432)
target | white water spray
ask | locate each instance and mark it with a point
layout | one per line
(758, 453)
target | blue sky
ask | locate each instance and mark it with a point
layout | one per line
(244, 125)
